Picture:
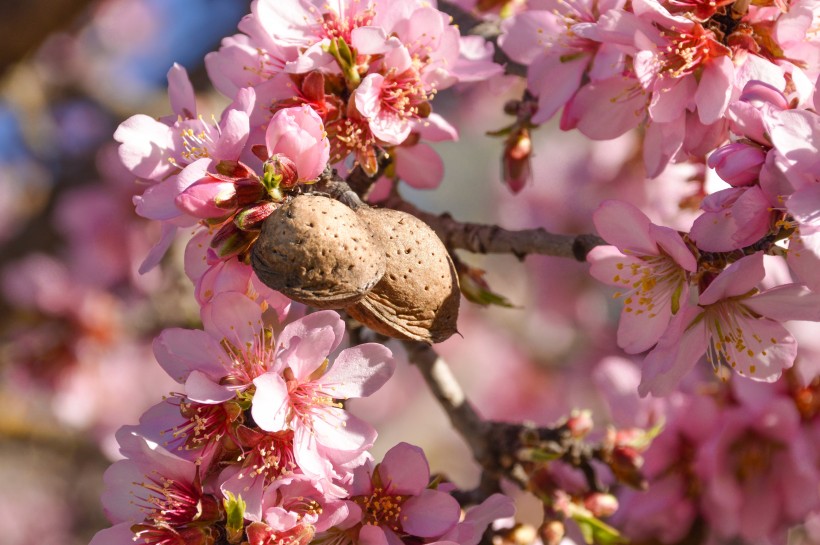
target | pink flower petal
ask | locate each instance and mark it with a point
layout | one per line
(672, 243)
(234, 317)
(624, 226)
(301, 327)
(784, 303)
(359, 371)
(740, 277)
(554, 80)
(181, 92)
(420, 166)
(271, 402)
(404, 470)
(714, 89)
(606, 109)
(157, 252)
(201, 388)
(181, 351)
(371, 534)
(119, 534)
(430, 513)
(235, 130)
(675, 355)
(144, 147)
(640, 332)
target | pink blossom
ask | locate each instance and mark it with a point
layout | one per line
(738, 164)
(299, 135)
(650, 263)
(560, 46)
(736, 327)
(733, 218)
(221, 360)
(154, 496)
(392, 499)
(757, 472)
(299, 393)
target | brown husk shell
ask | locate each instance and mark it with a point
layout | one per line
(418, 296)
(315, 250)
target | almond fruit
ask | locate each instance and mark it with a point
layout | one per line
(418, 296)
(317, 251)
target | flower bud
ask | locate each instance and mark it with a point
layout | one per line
(601, 505)
(516, 169)
(552, 532)
(252, 216)
(233, 169)
(580, 423)
(285, 168)
(230, 240)
(738, 164)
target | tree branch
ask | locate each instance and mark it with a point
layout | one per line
(491, 239)
(502, 449)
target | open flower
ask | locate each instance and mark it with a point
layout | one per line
(154, 497)
(300, 393)
(736, 327)
(649, 264)
(393, 500)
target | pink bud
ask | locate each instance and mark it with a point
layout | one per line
(516, 161)
(738, 164)
(758, 93)
(601, 505)
(287, 169)
(230, 240)
(299, 135)
(580, 423)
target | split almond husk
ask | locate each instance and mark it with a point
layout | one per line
(418, 296)
(317, 251)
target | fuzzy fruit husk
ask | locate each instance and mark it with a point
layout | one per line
(316, 251)
(418, 296)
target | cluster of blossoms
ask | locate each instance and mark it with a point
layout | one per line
(311, 84)
(734, 463)
(256, 446)
(728, 80)
(673, 67)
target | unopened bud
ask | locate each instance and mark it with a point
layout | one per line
(580, 423)
(248, 191)
(626, 462)
(233, 169)
(252, 216)
(552, 532)
(601, 505)
(516, 169)
(313, 86)
(230, 240)
(286, 168)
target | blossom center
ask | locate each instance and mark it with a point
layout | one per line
(381, 509)
(654, 281)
